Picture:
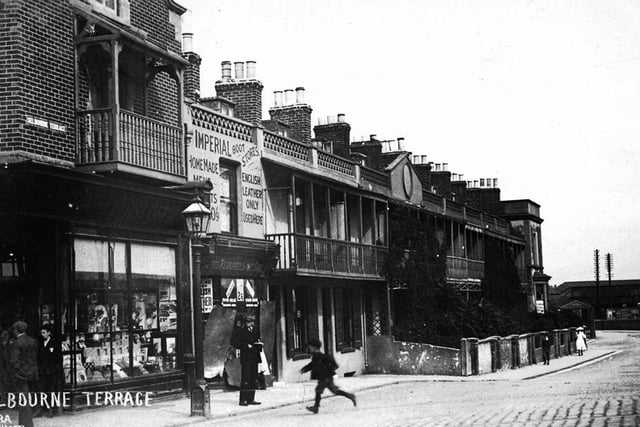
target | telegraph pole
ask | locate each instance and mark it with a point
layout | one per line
(609, 262)
(596, 264)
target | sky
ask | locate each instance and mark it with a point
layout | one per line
(543, 95)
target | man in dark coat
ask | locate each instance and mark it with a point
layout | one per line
(248, 341)
(48, 363)
(323, 368)
(546, 348)
(23, 363)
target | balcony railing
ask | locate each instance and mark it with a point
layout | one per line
(129, 138)
(281, 148)
(464, 268)
(321, 255)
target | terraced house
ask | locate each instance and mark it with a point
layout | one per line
(104, 141)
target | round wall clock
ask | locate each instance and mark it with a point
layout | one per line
(407, 180)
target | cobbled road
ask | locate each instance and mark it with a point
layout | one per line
(604, 393)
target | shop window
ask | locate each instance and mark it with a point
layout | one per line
(11, 266)
(228, 198)
(124, 316)
(348, 319)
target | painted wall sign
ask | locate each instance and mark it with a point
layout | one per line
(205, 152)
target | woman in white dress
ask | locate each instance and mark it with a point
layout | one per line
(581, 341)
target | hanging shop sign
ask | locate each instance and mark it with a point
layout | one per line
(239, 291)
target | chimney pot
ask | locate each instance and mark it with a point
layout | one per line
(299, 95)
(445, 166)
(187, 42)
(341, 118)
(373, 137)
(277, 98)
(400, 144)
(239, 66)
(226, 70)
(251, 69)
(424, 159)
(495, 182)
(415, 159)
(288, 97)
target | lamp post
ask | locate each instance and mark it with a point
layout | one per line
(196, 217)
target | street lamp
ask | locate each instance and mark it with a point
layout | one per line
(196, 217)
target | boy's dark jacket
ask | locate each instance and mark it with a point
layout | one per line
(322, 366)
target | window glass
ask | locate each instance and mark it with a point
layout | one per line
(124, 319)
(228, 198)
(296, 319)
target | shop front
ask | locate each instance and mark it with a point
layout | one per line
(103, 263)
(235, 287)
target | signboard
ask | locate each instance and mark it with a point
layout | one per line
(208, 147)
(239, 291)
(206, 293)
(540, 306)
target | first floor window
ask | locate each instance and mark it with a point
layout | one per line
(228, 198)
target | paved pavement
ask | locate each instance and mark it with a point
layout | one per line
(224, 404)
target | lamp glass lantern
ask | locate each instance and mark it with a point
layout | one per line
(196, 217)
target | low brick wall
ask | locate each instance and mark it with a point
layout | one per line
(387, 356)
(498, 353)
(475, 356)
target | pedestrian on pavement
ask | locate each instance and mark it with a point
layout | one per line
(546, 348)
(323, 368)
(581, 341)
(23, 361)
(48, 361)
(5, 371)
(248, 341)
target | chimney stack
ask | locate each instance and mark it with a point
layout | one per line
(294, 112)
(244, 91)
(191, 83)
(338, 132)
(372, 149)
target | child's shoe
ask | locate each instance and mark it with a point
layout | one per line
(313, 409)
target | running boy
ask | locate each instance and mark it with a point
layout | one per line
(323, 368)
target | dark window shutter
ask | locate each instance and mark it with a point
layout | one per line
(338, 301)
(289, 319)
(357, 318)
(313, 330)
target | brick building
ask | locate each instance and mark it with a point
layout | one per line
(91, 239)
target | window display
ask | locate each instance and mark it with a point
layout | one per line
(124, 318)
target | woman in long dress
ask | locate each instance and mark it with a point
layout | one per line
(581, 341)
